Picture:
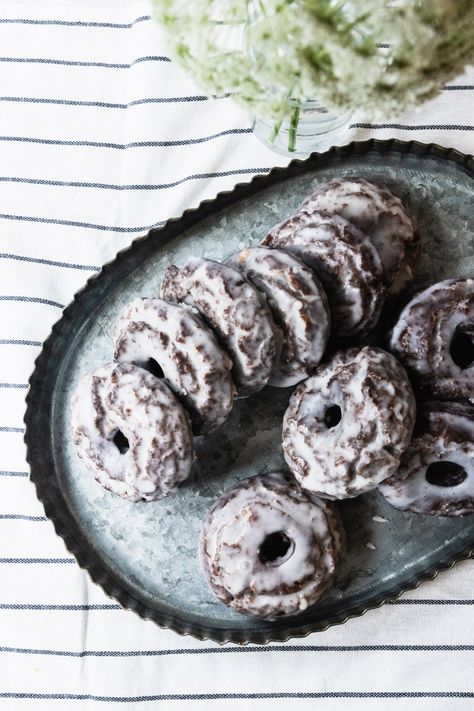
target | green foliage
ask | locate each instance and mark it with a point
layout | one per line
(265, 51)
(318, 58)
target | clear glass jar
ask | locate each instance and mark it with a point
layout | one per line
(311, 127)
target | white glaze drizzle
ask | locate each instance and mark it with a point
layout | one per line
(299, 304)
(373, 209)
(195, 367)
(130, 400)
(235, 310)
(343, 259)
(235, 529)
(422, 337)
(377, 417)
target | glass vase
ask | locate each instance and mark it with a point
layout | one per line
(311, 127)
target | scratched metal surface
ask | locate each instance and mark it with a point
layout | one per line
(145, 554)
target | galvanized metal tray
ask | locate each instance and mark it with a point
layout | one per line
(145, 555)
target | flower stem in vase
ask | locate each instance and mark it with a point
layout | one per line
(294, 121)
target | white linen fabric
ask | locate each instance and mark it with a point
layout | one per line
(102, 137)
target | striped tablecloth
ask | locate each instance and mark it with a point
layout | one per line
(102, 137)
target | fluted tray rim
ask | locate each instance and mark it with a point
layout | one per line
(47, 485)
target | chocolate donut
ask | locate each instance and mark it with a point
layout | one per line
(345, 262)
(436, 417)
(132, 432)
(237, 313)
(298, 304)
(175, 344)
(347, 426)
(269, 549)
(375, 210)
(436, 474)
(434, 339)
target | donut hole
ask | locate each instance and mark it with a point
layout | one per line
(332, 416)
(276, 548)
(445, 473)
(154, 368)
(462, 348)
(121, 442)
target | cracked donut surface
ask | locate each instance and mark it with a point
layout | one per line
(132, 432)
(434, 339)
(347, 426)
(235, 310)
(436, 474)
(380, 214)
(298, 304)
(269, 549)
(343, 259)
(194, 365)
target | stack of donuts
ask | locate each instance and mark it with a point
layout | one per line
(293, 311)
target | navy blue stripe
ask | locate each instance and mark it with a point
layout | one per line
(12, 429)
(107, 104)
(125, 146)
(74, 607)
(458, 87)
(21, 517)
(90, 225)
(52, 607)
(32, 300)
(256, 695)
(430, 602)
(4, 472)
(14, 386)
(36, 560)
(80, 63)
(242, 650)
(75, 23)
(131, 186)
(74, 223)
(49, 262)
(420, 127)
(18, 342)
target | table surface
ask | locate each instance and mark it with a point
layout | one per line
(101, 137)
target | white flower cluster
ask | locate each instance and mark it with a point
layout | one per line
(377, 55)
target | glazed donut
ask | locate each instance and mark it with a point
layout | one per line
(132, 432)
(436, 417)
(434, 339)
(237, 313)
(375, 210)
(298, 304)
(436, 475)
(269, 549)
(345, 262)
(347, 426)
(180, 348)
